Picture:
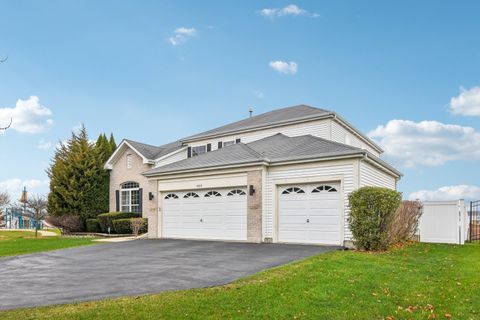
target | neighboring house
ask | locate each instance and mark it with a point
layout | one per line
(282, 176)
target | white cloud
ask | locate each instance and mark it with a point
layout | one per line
(467, 103)
(44, 145)
(259, 94)
(15, 186)
(448, 193)
(28, 116)
(290, 10)
(181, 35)
(284, 67)
(426, 143)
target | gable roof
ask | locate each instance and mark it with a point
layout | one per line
(147, 152)
(270, 150)
(271, 118)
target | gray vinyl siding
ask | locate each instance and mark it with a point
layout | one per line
(342, 135)
(318, 128)
(373, 176)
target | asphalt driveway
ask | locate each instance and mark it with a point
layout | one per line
(135, 267)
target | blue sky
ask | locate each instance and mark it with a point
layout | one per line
(407, 73)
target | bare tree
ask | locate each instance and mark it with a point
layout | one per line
(4, 202)
(4, 199)
(38, 204)
(137, 224)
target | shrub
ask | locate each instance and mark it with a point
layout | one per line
(93, 225)
(403, 223)
(68, 222)
(106, 219)
(124, 226)
(137, 225)
(371, 209)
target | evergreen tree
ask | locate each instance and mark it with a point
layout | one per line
(103, 150)
(113, 144)
(78, 181)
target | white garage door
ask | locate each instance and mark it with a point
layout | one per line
(219, 214)
(310, 214)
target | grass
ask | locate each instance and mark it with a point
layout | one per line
(22, 242)
(421, 281)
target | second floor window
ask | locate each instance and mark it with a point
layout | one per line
(129, 161)
(196, 151)
(228, 143)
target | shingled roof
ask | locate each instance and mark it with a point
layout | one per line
(154, 152)
(275, 117)
(273, 149)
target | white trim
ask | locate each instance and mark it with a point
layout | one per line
(381, 166)
(171, 154)
(332, 115)
(357, 132)
(258, 128)
(110, 162)
(310, 180)
(206, 169)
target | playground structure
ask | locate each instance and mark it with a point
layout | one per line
(19, 218)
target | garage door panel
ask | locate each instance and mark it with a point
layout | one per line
(212, 217)
(310, 217)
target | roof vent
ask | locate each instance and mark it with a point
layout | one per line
(250, 111)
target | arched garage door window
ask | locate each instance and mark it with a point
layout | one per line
(130, 197)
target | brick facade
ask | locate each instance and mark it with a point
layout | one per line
(120, 174)
(254, 207)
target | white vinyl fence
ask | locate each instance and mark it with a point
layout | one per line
(443, 222)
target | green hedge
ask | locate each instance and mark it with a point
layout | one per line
(106, 219)
(371, 211)
(123, 226)
(93, 225)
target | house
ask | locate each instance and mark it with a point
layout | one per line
(282, 176)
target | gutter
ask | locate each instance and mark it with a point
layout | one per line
(382, 165)
(215, 167)
(357, 132)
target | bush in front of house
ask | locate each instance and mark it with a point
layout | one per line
(93, 225)
(68, 223)
(124, 226)
(106, 219)
(403, 224)
(371, 210)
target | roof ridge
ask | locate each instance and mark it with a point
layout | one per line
(145, 144)
(252, 152)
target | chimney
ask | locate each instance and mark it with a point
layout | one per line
(250, 111)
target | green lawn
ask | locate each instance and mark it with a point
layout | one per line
(417, 282)
(21, 242)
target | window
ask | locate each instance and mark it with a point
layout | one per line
(129, 161)
(236, 192)
(212, 194)
(196, 151)
(228, 143)
(171, 196)
(191, 195)
(324, 188)
(130, 197)
(293, 190)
